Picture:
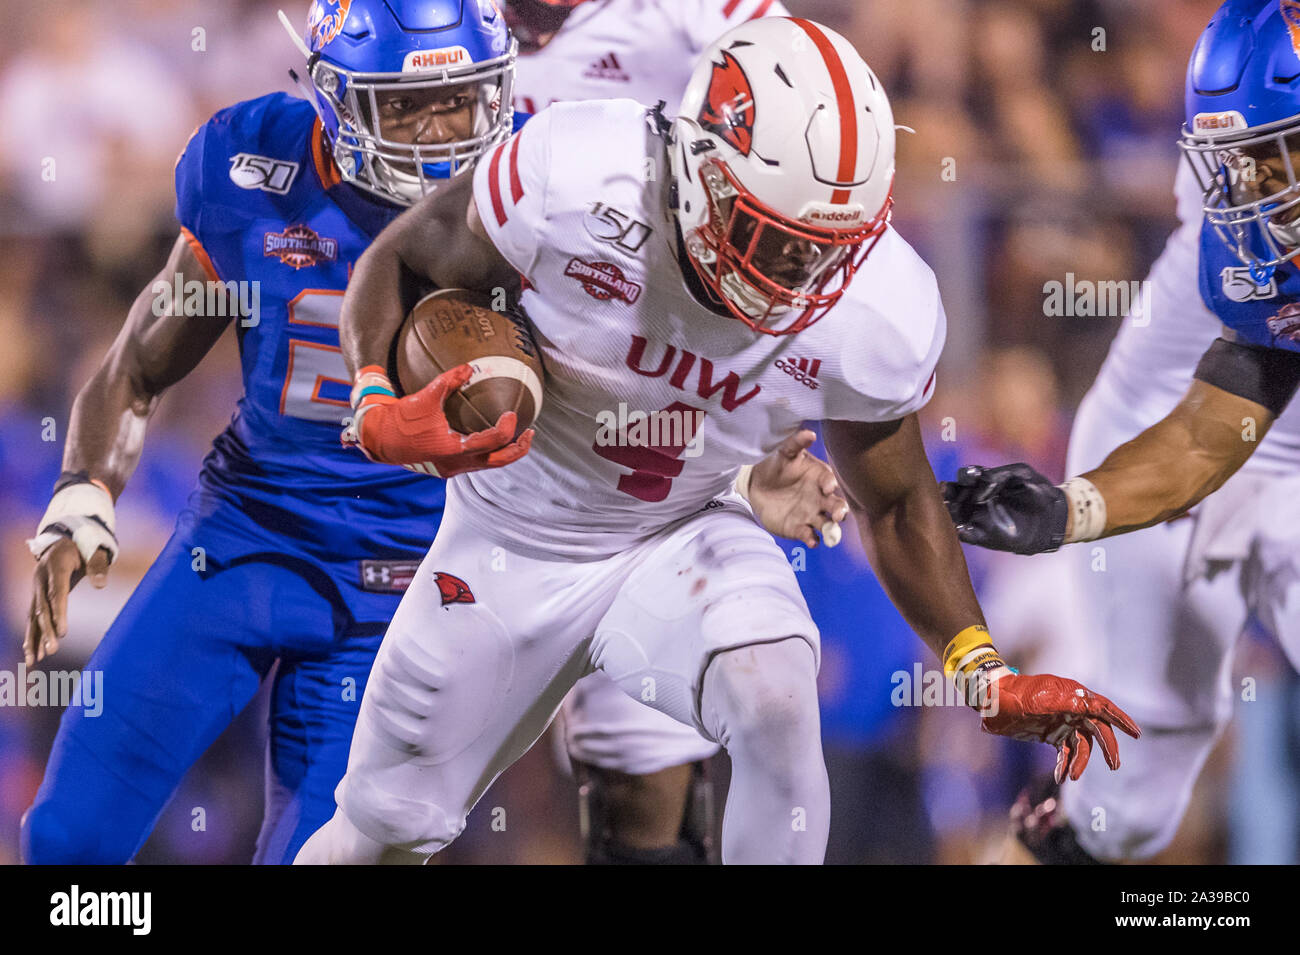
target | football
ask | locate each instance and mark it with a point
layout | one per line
(453, 327)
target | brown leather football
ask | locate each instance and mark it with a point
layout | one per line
(456, 326)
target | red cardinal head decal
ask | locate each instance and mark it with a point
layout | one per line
(452, 589)
(729, 107)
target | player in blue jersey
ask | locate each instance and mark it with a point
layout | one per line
(292, 548)
(1242, 136)
(293, 552)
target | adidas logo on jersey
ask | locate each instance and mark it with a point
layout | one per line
(607, 68)
(802, 371)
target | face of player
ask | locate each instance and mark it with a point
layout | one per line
(790, 261)
(430, 116)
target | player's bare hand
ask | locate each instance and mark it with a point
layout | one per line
(58, 570)
(795, 494)
(1053, 709)
(413, 432)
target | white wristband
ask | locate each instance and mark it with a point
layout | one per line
(1087, 510)
(85, 510)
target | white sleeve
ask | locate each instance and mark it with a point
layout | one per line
(887, 366)
(703, 21)
(510, 185)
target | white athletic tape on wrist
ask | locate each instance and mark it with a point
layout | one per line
(1087, 510)
(86, 510)
(743, 477)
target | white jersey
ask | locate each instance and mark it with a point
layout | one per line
(626, 347)
(1150, 364)
(635, 49)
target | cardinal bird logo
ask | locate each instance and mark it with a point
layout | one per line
(729, 107)
(452, 589)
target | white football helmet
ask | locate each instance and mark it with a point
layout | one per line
(783, 162)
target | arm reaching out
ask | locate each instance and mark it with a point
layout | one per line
(1237, 394)
(155, 349)
(914, 551)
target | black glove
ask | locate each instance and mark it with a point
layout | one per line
(1011, 508)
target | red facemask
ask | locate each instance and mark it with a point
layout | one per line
(791, 270)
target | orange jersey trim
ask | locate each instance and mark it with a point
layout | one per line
(326, 171)
(201, 254)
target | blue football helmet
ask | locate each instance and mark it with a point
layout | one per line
(364, 55)
(1243, 123)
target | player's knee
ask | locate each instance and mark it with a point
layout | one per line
(55, 835)
(762, 700)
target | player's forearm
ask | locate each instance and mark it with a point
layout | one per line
(1176, 462)
(372, 308)
(107, 427)
(918, 560)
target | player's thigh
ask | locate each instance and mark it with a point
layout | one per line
(716, 583)
(605, 727)
(314, 707)
(480, 653)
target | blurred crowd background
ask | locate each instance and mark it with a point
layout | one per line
(1041, 146)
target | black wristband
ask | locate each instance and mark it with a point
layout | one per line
(69, 478)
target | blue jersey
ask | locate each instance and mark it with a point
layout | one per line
(262, 203)
(1265, 315)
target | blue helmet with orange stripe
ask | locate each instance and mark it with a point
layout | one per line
(409, 92)
(1242, 134)
(782, 159)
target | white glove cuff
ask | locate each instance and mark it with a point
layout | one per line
(85, 511)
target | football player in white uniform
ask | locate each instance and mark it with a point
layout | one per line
(641, 773)
(758, 203)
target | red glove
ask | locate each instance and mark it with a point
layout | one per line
(1053, 709)
(414, 433)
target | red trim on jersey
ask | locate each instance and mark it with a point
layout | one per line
(762, 9)
(494, 185)
(844, 98)
(730, 8)
(516, 186)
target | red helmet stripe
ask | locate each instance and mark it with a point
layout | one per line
(844, 99)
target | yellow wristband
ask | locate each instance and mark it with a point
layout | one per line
(962, 644)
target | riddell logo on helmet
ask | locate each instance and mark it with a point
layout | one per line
(728, 109)
(836, 215)
(1231, 119)
(418, 60)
